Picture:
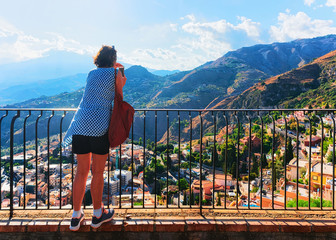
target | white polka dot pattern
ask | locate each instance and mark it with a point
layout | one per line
(94, 112)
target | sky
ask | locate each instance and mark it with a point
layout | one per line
(158, 34)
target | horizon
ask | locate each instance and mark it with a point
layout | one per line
(174, 35)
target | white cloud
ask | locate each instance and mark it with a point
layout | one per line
(173, 27)
(184, 44)
(247, 25)
(300, 25)
(331, 3)
(222, 26)
(15, 45)
(187, 44)
(309, 2)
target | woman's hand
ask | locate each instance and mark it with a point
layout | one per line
(118, 65)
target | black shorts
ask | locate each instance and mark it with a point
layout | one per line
(86, 144)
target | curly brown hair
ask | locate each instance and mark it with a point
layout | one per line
(105, 57)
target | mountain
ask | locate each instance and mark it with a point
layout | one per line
(238, 70)
(277, 58)
(163, 73)
(19, 93)
(311, 85)
(56, 64)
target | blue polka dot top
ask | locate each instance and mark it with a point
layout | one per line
(93, 115)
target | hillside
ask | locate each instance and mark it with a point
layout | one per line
(312, 85)
(238, 70)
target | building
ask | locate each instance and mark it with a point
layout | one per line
(255, 141)
(125, 176)
(291, 171)
(207, 187)
(220, 179)
(315, 140)
(316, 174)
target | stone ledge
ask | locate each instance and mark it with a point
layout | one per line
(154, 220)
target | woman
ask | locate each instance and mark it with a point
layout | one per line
(88, 133)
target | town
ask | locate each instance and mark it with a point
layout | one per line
(268, 171)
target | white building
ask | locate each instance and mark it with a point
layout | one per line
(125, 176)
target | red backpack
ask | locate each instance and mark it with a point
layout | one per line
(122, 114)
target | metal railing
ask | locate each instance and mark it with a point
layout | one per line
(246, 156)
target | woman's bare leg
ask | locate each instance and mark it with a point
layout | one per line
(79, 184)
(97, 182)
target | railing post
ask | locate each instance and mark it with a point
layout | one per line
(179, 156)
(333, 164)
(261, 159)
(6, 114)
(132, 162)
(36, 157)
(24, 159)
(60, 166)
(321, 183)
(190, 143)
(214, 154)
(144, 162)
(226, 155)
(285, 163)
(155, 153)
(48, 155)
(201, 160)
(167, 116)
(12, 163)
(297, 161)
(249, 161)
(237, 159)
(273, 170)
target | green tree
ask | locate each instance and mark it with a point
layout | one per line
(243, 168)
(255, 166)
(184, 198)
(233, 170)
(149, 175)
(231, 154)
(264, 163)
(148, 144)
(183, 184)
(218, 200)
(55, 152)
(125, 167)
(192, 199)
(330, 157)
(290, 153)
(140, 141)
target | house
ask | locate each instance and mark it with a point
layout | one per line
(255, 141)
(291, 170)
(206, 188)
(316, 174)
(315, 140)
(220, 179)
